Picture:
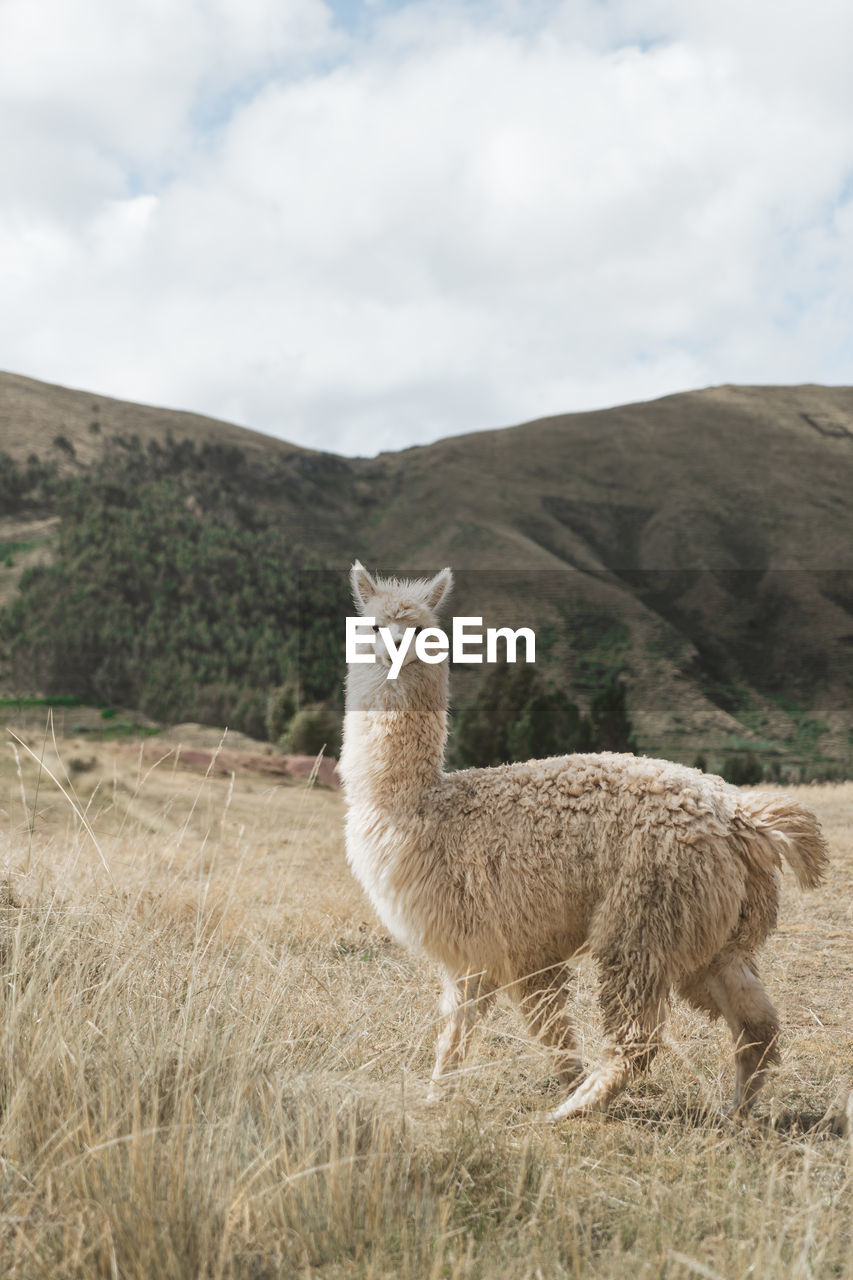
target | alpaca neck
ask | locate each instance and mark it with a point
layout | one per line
(395, 733)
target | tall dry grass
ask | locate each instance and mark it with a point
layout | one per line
(216, 1069)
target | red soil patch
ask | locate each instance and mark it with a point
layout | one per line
(228, 762)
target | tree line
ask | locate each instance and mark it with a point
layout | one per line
(173, 591)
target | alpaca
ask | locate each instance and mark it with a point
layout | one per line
(665, 875)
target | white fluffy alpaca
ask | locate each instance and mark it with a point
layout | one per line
(666, 875)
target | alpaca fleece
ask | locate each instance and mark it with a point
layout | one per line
(667, 876)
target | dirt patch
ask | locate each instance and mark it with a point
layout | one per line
(226, 761)
(208, 738)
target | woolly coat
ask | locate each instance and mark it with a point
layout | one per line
(505, 870)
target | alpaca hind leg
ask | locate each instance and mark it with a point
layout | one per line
(463, 1002)
(633, 1001)
(542, 998)
(696, 990)
(754, 1025)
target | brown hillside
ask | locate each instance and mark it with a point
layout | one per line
(34, 414)
(698, 545)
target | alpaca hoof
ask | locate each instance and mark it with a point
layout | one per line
(738, 1111)
(586, 1098)
(572, 1108)
(440, 1091)
(573, 1078)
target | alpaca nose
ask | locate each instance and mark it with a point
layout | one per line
(396, 635)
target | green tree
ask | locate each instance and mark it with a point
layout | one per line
(610, 725)
(313, 729)
(743, 771)
(516, 718)
(172, 593)
(548, 725)
(280, 710)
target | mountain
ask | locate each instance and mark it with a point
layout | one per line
(696, 547)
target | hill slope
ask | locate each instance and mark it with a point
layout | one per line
(698, 545)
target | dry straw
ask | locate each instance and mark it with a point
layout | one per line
(212, 1068)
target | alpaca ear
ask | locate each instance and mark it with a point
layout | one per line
(439, 589)
(363, 586)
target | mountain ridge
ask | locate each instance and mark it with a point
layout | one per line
(697, 546)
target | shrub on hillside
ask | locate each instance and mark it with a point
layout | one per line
(743, 771)
(313, 729)
(610, 726)
(517, 717)
(26, 487)
(548, 725)
(280, 710)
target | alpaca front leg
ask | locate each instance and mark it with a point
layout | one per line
(464, 1001)
(596, 1091)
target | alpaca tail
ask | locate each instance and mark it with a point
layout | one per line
(792, 831)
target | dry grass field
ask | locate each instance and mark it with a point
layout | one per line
(213, 1064)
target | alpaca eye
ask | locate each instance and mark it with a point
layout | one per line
(418, 630)
(376, 626)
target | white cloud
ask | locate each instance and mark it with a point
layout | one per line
(466, 217)
(113, 91)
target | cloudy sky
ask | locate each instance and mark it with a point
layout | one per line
(360, 224)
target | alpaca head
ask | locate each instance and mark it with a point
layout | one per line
(398, 604)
